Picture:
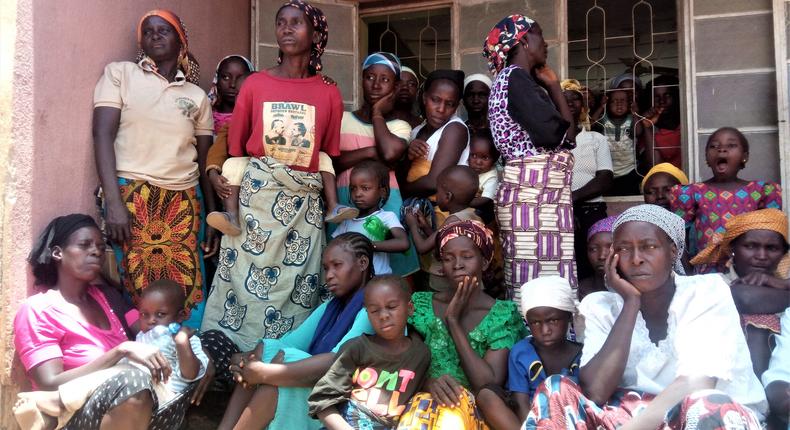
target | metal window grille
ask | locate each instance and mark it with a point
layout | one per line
(421, 40)
(610, 37)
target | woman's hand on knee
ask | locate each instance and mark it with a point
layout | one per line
(150, 357)
(446, 390)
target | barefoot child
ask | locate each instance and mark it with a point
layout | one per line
(549, 304)
(369, 189)
(161, 310)
(374, 376)
(707, 206)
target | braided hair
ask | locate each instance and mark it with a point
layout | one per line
(358, 245)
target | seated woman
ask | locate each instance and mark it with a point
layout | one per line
(275, 379)
(655, 349)
(469, 333)
(751, 249)
(77, 327)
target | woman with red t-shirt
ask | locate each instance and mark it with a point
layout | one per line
(268, 277)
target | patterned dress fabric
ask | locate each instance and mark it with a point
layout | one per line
(268, 278)
(560, 403)
(535, 216)
(424, 413)
(534, 208)
(108, 395)
(708, 208)
(166, 231)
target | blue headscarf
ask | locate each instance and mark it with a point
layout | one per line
(391, 61)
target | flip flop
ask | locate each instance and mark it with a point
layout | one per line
(340, 214)
(223, 222)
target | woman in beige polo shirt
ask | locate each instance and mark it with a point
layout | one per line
(152, 128)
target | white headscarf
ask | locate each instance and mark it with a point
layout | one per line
(671, 224)
(549, 291)
(477, 77)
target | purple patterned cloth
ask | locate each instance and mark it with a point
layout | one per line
(604, 225)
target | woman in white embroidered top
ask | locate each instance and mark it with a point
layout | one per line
(663, 351)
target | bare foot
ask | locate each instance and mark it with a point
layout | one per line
(29, 416)
(47, 402)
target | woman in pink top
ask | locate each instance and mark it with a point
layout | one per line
(71, 330)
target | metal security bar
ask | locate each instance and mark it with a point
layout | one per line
(605, 56)
(418, 46)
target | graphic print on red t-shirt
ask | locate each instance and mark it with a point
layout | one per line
(289, 132)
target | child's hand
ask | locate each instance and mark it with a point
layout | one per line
(446, 390)
(651, 116)
(418, 148)
(220, 184)
(461, 298)
(184, 334)
(422, 222)
(205, 382)
(384, 105)
(411, 220)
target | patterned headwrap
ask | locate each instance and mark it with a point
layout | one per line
(389, 60)
(502, 38)
(318, 19)
(667, 168)
(670, 223)
(213, 96)
(477, 77)
(718, 249)
(186, 61)
(474, 230)
(549, 291)
(605, 225)
(576, 86)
